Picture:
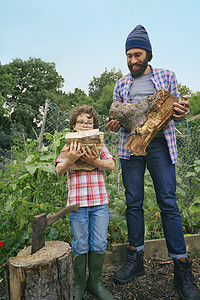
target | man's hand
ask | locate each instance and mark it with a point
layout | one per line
(181, 108)
(113, 125)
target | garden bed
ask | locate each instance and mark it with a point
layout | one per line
(153, 249)
(157, 283)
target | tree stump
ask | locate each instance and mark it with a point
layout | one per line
(46, 274)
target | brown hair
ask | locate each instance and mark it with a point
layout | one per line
(149, 55)
(84, 109)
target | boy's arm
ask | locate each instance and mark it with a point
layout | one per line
(73, 154)
(63, 166)
(106, 164)
(91, 157)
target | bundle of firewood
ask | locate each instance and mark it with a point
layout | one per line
(91, 138)
(144, 119)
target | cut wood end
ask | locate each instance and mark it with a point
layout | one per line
(51, 250)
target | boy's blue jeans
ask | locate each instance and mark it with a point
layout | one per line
(89, 228)
(163, 174)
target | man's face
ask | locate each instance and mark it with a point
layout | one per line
(137, 61)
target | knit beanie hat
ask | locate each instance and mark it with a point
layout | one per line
(138, 38)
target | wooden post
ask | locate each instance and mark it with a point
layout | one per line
(43, 125)
(46, 274)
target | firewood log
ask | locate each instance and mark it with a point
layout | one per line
(91, 138)
(144, 119)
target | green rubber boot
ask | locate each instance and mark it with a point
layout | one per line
(79, 264)
(94, 284)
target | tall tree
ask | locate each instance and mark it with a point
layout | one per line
(184, 90)
(28, 84)
(104, 102)
(96, 85)
(195, 104)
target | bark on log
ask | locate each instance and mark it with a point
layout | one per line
(91, 138)
(46, 274)
(144, 119)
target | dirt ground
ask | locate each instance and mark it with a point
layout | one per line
(157, 283)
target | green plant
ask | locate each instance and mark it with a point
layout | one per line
(30, 186)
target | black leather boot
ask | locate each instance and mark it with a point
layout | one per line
(183, 279)
(134, 266)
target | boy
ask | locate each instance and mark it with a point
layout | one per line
(90, 223)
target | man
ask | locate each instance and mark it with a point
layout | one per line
(142, 81)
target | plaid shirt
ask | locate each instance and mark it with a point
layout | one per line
(87, 187)
(161, 79)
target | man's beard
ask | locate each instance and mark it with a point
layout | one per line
(142, 67)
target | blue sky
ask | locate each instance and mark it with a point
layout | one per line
(85, 37)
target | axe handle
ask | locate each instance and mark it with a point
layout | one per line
(53, 218)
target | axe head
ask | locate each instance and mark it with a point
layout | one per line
(42, 221)
(38, 232)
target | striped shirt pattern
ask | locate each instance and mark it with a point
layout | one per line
(87, 187)
(162, 79)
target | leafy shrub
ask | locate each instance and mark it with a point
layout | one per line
(30, 185)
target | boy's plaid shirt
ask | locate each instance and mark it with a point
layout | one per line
(162, 79)
(87, 187)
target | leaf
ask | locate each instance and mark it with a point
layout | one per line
(53, 234)
(196, 200)
(114, 215)
(197, 162)
(48, 136)
(25, 235)
(31, 168)
(14, 186)
(190, 174)
(49, 168)
(9, 204)
(43, 206)
(23, 176)
(47, 156)
(123, 226)
(22, 222)
(197, 169)
(30, 158)
(120, 203)
(194, 208)
(180, 191)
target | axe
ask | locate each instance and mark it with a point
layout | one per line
(42, 221)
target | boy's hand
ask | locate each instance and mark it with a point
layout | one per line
(74, 152)
(89, 156)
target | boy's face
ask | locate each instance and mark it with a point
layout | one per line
(84, 122)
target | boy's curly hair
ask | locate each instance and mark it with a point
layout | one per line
(84, 109)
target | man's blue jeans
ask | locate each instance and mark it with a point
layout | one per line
(163, 175)
(89, 228)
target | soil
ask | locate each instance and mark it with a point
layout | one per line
(157, 283)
